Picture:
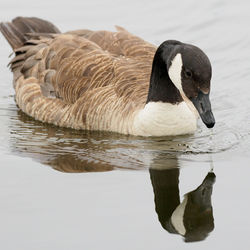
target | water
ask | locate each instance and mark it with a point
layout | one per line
(44, 207)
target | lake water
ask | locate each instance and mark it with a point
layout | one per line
(66, 189)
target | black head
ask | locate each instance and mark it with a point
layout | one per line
(190, 71)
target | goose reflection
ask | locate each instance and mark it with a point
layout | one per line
(193, 217)
(76, 151)
(68, 150)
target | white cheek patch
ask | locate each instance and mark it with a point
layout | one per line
(174, 72)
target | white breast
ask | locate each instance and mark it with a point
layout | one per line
(159, 119)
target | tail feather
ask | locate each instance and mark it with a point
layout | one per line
(18, 31)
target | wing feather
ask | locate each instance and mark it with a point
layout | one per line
(83, 79)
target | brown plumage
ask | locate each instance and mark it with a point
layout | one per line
(81, 79)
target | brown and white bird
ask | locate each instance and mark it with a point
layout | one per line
(108, 81)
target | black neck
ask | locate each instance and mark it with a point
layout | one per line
(161, 88)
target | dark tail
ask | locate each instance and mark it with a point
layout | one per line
(16, 32)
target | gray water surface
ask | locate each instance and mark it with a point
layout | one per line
(66, 189)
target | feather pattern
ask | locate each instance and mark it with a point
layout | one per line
(95, 80)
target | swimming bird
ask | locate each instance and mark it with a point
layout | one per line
(108, 81)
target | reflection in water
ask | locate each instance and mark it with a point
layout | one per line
(74, 151)
(71, 164)
(70, 150)
(193, 217)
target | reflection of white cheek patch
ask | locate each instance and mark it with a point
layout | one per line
(177, 217)
(174, 71)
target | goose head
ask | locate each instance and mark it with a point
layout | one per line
(182, 72)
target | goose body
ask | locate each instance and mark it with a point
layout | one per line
(109, 81)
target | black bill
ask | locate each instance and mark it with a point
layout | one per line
(203, 105)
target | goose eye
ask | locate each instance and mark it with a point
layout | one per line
(188, 73)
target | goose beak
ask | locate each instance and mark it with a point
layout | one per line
(203, 105)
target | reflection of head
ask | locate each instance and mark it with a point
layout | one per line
(193, 217)
(198, 216)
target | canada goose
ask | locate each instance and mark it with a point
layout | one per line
(110, 81)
